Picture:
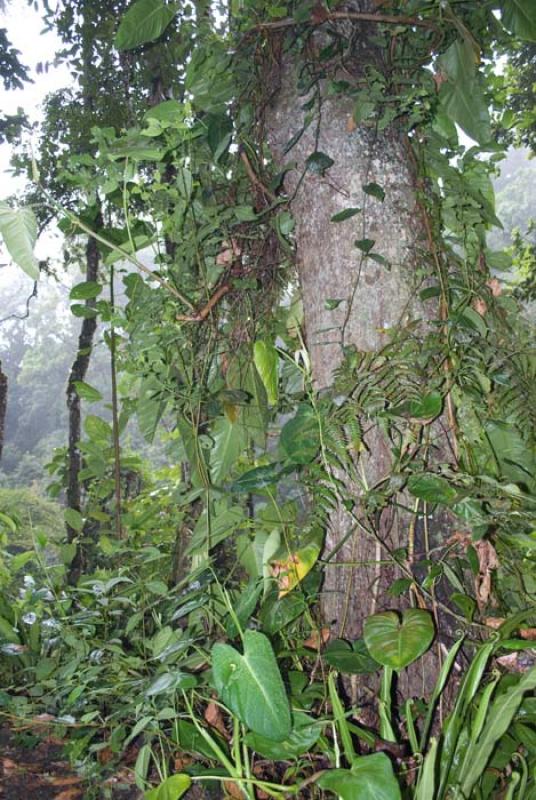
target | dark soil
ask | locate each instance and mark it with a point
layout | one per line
(35, 767)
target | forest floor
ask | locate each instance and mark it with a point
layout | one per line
(37, 768)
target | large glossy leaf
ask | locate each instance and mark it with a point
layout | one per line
(18, 228)
(350, 657)
(432, 488)
(303, 736)
(170, 789)
(250, 685)
(461, 97)
(144, 21)
(519, 17)
(396, 641)
(300, 438)
(498, 720)
(229, 441)
(266, 361)
(371, 778)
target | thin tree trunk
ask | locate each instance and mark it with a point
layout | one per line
(375, 298)
(3, 407)
(115, 417)
(78, 373)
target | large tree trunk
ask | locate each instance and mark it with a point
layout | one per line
(374, 297)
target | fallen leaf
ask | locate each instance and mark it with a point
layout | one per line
(480, 306)
(180, 762)
(68, 780)
(488, 561)
(494, 285)
(105, 755)
(351, 125)
(233, 790)
(69, 794)
(317, 639)
(214, 717)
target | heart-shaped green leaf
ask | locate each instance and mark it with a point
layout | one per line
(144, 22)
(350, 657)
(371, 778)
(266, 362)
(251, 686)
(396, 642)
(18, 228)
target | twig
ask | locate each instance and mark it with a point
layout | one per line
(255, 180)
(27, 312)
(387, 19)
(201, 315)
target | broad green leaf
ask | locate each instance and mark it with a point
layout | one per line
(426, 784)
(84, 312)
(396, 641)
(150, 406)
(74, 519)
(18, 228)
(7, 632)
(365, 245)
(170, 681)
(427, 407)
(259, 478)
(352, 658)
(519, 17)
(371, 778)
(171, 789)
(319, 162)
(169, 111)
(498, 721)
(97, 429)
(300, 437)
(144, 21)
(303, 736)
(87, 392)
(229, 441)
(432, 488)
(219, 134)
(461, 97)
(374, 190)
(346, 214)
(87, 290)
(250, 685)
(267, 361)
(216, 523)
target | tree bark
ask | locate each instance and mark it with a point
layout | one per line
(375, 298)
(78, 373)
(3, 407)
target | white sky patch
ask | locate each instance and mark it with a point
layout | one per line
(25, 31)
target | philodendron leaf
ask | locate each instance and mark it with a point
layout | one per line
(519, 17)
(432, 488)
(266, 361)
(300, 437)
(170, 789)
(144, 22)
(350, 657)
(395, 642)
(18, 228)
(371, 778)
(250, 685)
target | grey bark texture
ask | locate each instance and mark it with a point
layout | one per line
(374, 298)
